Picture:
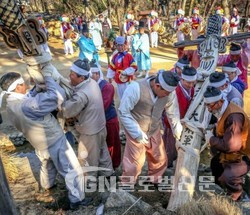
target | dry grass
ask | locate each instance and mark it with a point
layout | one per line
(10, 168)
(217, 205)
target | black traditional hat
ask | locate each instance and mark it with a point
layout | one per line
(141, 24)
(217, 79)
(212, 94)
(235, 49)
(201, 37)
(168, 80)
(189, 73)
(85, 27)
(81, 67)
(231, 67)
(183, 62)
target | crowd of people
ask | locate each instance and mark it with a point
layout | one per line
(146, 106)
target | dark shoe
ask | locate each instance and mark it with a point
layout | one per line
(47, 191)
(85, 202)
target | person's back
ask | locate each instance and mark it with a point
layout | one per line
(37, 132)
(235, 96)
(91, 118)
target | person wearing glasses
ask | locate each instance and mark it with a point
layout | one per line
(221, 82)
(233, 72)
(229, 143)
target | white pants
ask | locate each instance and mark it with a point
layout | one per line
(194, 34)
(233, 30)
(129, 40)
(154, 39)
(93, 152)
(180, 36)
(68, 46)
(60, 158)
(120, 89)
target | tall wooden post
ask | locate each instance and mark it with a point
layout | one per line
(7, 205)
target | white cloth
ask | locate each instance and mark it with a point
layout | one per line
(208, 135)
(143, 139)
(95, 30)
(154, 39)
(68, 46)
(180, 36)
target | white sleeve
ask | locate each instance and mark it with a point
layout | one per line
(129, 99)
(149, 27)
(173, 114)
(238, 20)
(238, 101)
(130, 71)
(124, 28)
(110, 73)
(109, 22)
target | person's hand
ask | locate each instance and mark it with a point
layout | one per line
(208, 135)
(50, 70)
(143, 139)
(178, 131)
(124, 72)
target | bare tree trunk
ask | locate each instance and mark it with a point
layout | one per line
(104, 3)
(226, 8)
(7, 205)
(211, 8)
(183, 5)
(126, 4)
(205, 9)
(134, 8)
(109, 8)
(191, 7)
(118, 19)
(36, 5)
(247, 11)
(180, 5)
(154, 4)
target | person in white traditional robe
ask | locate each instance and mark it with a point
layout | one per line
(95, 29)
(153, 26)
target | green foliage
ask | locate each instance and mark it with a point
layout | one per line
(111, 35)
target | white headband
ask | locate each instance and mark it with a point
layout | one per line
(11, 88)
(79, 70)
(164, 85)
(235, 52)
(94, 69)
(14, 84)
(218, 84)
(212, 99)
(189, 77)
(181, 65)
(230, 69)
(97, 69)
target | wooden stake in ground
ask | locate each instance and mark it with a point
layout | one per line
(197, 117)
(7, 205)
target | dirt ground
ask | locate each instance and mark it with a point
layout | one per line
(25, 187)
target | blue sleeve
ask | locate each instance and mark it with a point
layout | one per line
(45, 102)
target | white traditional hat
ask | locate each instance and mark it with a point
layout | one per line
(180, 11)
